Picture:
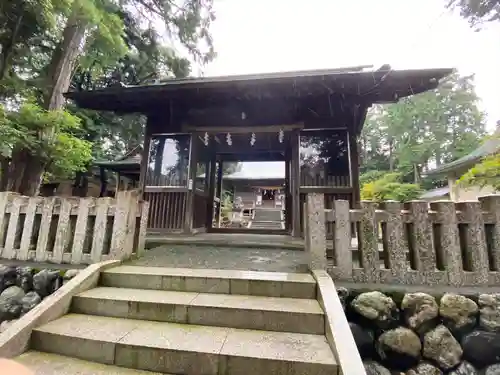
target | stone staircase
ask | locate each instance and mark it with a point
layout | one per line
(188, 321)
(267, 218)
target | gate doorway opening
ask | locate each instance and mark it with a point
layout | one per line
(248, 178)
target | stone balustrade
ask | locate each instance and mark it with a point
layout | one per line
(416, 243)
(71, 230)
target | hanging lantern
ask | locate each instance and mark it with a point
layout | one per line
(205, 139)
(228, 139)
(252, 139)
(281, 136)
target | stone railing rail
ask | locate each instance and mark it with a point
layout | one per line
(416, 243)
(71, 230)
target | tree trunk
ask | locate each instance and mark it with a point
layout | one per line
(8, 48)
(63, 61)
(4, 172)
(25, 172)
(391, 156)
(416, 174)
(26, 169)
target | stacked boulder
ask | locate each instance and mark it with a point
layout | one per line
(22, 288)
(422, 335)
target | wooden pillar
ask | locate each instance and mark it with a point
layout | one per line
(295, 183)
(104, 182)
(145, 158)
(118, 180)
(354, 163)
(219, 190)
(211, 186)
(193, 162)
(288, 196)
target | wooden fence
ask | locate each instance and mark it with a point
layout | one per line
(413, 243)
(71, 230)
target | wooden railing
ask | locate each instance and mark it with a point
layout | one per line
(414, 243)
(72, 230)
(167, 208)
(317, 179)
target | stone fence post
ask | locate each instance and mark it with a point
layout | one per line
(314, 231)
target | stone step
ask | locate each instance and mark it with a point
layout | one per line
(184, 349)
(223, 310)
(267, 217)
(54, 364)
(266, 224)
(267, 284)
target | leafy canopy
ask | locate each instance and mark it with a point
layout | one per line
(62, 150)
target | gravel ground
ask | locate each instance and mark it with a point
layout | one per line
(185, 256)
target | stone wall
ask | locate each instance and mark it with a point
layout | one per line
(22, 288)
(415, 243)
(418, 334)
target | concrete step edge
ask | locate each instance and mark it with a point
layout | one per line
(55, 364)
(270, 284)
(178, 348)
(216, 273)
(236, 311)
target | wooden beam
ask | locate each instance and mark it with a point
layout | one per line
(238, 130)
(327, 189)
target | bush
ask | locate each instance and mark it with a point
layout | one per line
(390, 187)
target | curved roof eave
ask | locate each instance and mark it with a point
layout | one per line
(379, 85)
(489, 147)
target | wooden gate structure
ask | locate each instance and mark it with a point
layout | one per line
(310, 120)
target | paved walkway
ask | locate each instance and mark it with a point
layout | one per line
(216, 257)
(241, 240)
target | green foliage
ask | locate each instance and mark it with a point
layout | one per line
(47, 134)
(117, 42)
(423, 130)
(370, 176)
(485, 173)
(390, 187)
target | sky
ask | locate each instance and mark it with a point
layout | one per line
(259, 36)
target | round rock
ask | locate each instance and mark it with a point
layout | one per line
(424, 368)
(24, 278)
(46, 282)
(441, 347)
(69, 274)
(482, 348)
(420, 311)
(10, 303)
(489, 312)
(375, 368)
(399, 348)
(465, 368)
(364, 340)
(29, 301)
(459, 313)
(343, 294)
(377, 308)
(7, 277)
